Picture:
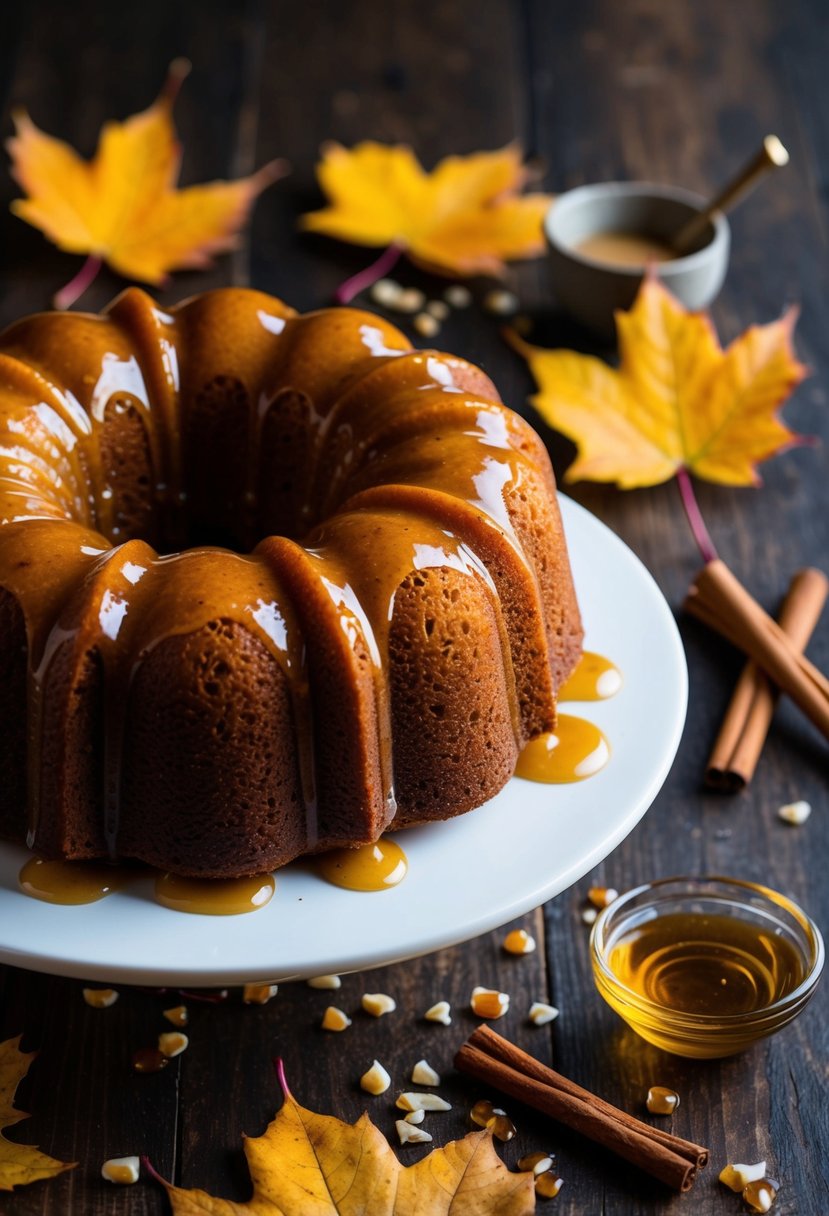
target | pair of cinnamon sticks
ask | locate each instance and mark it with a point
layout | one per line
(498, 1063)
(775, 650)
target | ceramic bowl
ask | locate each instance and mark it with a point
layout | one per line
(591, 290)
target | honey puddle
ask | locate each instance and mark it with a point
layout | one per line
(371, 867)
(575, 751)
(594, 678)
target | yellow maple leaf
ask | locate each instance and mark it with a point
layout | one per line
(123, 206)
(465, 217)
(19, 1163)
(678, 400)
(307, 1164)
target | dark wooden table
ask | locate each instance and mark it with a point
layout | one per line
(675, 92)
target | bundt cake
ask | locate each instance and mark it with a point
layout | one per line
(362, 607)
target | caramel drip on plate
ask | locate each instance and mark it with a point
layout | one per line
(595, 678)
(214, 897)
(70, 882)
(372, 867)
(575, 751)
(411, 466)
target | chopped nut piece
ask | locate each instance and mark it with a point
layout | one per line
(481, 1112)
(795, 813)
(376, 1080)
(458, 296)
(539, 1163)
(489, 1003)
(386, 291)
(541, 1013)
(411, 1135)
(411, 1101)
(149, 1059)
(177, 1016)
(737, 1177)
(500, 303)
(424, 1074)
(259, 994)
(759, 1196)
(439, 1013)
(501, 1126)
(173, 1043)
(123, 1170)
(438, 309)
(589, 915)
(100, 998)
(415, 1116)
(548, 1184)
(325, 981)
(335, 1019)
(601, 897)
(661, 1101)
(410, 299)
(426, 325)
(377, 1003)
(519, 941)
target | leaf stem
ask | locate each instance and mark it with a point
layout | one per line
(279, 1064)
(76, 286)
(358, 282)
(701, 535)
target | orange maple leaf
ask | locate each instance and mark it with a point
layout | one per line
(19, 1163)
(307, 1164)
(123, 207)
(678, 400)
(465, 217)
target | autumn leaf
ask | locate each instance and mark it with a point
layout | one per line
(465, 217)
(678, 400)
(123, 207)
(19, 1163)
(307, 1164)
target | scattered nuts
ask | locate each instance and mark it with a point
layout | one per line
(519, 941)
(795, 813)
(438, 309)
(335, 1019)
(100, 998)
(386, 292)
(376, 1080)
(410, 299)
(661, 1101)
(489, 1003)
(484, 1114)
(123, 1170)
(500, 303)
(411, 1135)
(149, 1059)
(426, 325)
(601, 897)
(589, 915)
(539, 1163)
(424, 1074)
(548, 1184)
(737, 1177)
(177, 1016)
(377, 1003)
(173, 1043)
(439, 1013)
(759, 1196)
(458, 296)
(415, 1116)
(410, 1101)
(259, 994)
(325, 981)
(541, 1013)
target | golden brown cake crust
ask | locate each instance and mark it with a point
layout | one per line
(268, 583)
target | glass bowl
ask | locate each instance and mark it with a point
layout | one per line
(691, 967)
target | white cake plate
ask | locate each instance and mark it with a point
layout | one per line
(466, 876)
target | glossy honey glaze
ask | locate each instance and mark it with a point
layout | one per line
(576, 750)
(82, 882)
(371, 867)
(406, 462)
(595, 678)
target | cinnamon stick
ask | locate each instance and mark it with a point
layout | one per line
(498, 1063)
(748, 717)
(720, 601)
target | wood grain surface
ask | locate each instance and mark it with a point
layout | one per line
(677, 91)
